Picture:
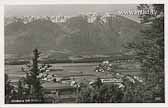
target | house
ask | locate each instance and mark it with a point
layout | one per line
(58, 89)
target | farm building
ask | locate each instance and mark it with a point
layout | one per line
(58, 90)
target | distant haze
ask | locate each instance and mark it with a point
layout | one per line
(67, 10)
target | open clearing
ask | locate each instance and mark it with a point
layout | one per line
(14, 71)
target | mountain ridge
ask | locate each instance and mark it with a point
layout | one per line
(74, 37)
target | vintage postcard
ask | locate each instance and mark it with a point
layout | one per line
(84, 54)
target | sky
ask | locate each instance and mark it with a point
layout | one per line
(67, 9)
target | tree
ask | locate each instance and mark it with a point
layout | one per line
(31, 84)
(133, 90)
(100, 93)
(22, 89)
(9, 90)
(149, 51)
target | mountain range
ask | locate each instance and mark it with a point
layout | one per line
(72, 38)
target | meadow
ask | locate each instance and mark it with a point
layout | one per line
(87, 69)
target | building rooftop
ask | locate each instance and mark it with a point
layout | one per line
(52, 85)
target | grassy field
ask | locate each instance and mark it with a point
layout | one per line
(14, 71)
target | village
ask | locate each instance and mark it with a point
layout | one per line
(61, 87)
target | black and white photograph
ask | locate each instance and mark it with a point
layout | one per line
(84, 53)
